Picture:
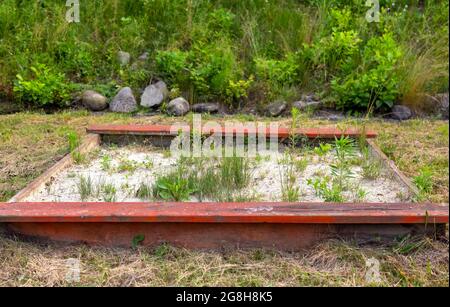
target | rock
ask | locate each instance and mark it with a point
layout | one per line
(305, 105)
(123, 57)
(124, 102)
(143, 57)
(400, 112)
(154, 95)
(94, 101)
(178, 107)
(276, 108)
(331, 115)
(205, 108)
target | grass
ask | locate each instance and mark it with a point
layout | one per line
(407, 263)
(214, 47)
(85, 187)
(32, 142)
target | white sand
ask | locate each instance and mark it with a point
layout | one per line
(265, 183)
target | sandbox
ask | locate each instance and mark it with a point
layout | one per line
(101, 200)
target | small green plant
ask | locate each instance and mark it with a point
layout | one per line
(360, 195)
(148, 163)
(328, 192)
(345, 149)
(126, 165)
(323, 149)
(371, 168)
(44, 88)
(234, 172)
(424, 182)
(290, 191)
(109, 192)
(175, 186)
(106, 162)
(85, 187)
(300, 165)
(144, 191)
(74, 143)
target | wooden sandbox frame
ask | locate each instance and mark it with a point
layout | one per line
(285, 226)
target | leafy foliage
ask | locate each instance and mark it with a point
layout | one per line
(44, 88)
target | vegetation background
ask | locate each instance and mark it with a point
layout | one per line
(230, 51)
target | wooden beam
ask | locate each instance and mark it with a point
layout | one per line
(257, 212)
(151, 130)
(90, 142)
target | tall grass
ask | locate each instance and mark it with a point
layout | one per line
(36, 32)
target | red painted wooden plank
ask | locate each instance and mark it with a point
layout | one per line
(323, 132)
(300, 213)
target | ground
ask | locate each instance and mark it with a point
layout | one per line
(31, 142)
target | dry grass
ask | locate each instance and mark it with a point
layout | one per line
(31, 142)
(329, 264)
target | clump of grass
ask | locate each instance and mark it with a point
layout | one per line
(85, 187)
(106, 162)
(234, 172)
(144, 191)
(74, 143)
(360, 195)
(424, 182)
(290, 191)
(109, 192)
(371, 169)
(300, 165)
(126, 165)
(323, 149)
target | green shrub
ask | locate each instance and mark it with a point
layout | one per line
(373, 85)
(45, 88)
(281, 72)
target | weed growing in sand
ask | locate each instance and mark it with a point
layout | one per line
(109, 192)
(328, 192)
(85, 187)
(106, 162)
(144, 191)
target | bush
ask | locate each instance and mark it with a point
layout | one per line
(374, 84)
(45, 88)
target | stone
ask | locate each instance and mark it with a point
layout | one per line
(154, 95)
(124, 102)
(178, 107)
(276, 108)
(305, 105)
(205, 108)
(124, 58)
(400, 112)
(94, 101)
(144, 57)
(331, 115)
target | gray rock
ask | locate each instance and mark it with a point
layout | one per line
(123, 58)
(400, 112)
(124, 102)
(205, 108)
(305, 105)
(94, 101)
(276, 108)
(154, 95)
(178, 107)
(143, 57)
(331, 115)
